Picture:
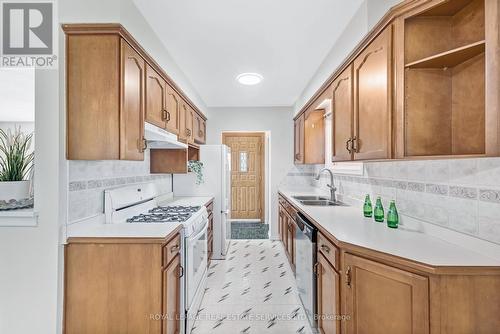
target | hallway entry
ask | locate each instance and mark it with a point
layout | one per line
(247, 174)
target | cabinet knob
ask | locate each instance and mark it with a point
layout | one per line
(317, 269)
(174, 248)
(164, 115)
(325, 248)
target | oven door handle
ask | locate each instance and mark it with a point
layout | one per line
(202, 231)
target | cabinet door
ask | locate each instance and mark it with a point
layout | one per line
(183, 135)
(328, 295)
(342, 115)
(171, 296)
(290, 240)
(383, 300)
(132, 104)
(190, 124)
(372, 100)
(199, 129)
(280, 222)
(314, 136)
(156, 94)
(299, 140)
(173, 109)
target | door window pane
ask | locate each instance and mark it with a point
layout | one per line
(243, 162)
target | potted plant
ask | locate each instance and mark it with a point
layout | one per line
(16, 164)
(196, 167)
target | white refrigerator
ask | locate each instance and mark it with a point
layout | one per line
(217, 183)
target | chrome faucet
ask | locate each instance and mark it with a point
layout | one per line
(331, 185)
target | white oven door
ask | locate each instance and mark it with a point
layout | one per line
(196, 262)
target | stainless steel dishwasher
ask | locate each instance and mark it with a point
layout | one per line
(305, 258)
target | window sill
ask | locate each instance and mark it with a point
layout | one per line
(19, 218)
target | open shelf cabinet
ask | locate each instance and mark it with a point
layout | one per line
(445, 80)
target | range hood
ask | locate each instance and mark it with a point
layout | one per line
(158, 138)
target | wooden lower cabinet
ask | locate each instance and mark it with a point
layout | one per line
(383, 300)
(171, 296)
(117, 285)
(328, 297)
(361, 291)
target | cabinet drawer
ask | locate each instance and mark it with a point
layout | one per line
(171, 249)
(329, 250)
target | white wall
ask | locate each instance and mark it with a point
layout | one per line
(368, 14)
(275, 120)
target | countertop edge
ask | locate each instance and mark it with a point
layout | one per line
(390, 258)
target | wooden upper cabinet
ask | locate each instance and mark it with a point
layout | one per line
(105, 102)
(156, 96)
(342, 116)
(314, 136)
(173, 110)
(186, 122)
(383, 300)
(328, 296)
(444, 105)
(132, 104)
(299, 139)
(372, 99)
(112, 87)
(199, 129)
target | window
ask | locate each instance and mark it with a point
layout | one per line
(243, 162)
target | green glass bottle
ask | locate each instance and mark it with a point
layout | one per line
(392, 216)
(378, 213)
(367, 207)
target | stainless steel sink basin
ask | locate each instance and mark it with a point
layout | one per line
(325, 202)
(310, 198)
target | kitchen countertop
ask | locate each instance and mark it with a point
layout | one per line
(96, 228)
(348, 225)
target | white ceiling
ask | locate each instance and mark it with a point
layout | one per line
(214, 41)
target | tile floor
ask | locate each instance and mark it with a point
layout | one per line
(252, 291)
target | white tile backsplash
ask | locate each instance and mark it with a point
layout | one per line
(459, 194)
(89, 179)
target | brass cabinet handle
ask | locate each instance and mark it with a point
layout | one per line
(317, 269)
(348, 276)
(164, 114)
(168, 116)
(354, 145)
(325, 248)
(142, 144)
(348, 145)
(174, 248)
(181, 271)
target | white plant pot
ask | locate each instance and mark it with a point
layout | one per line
(14, 190)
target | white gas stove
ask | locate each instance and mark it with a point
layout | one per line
(141, 204)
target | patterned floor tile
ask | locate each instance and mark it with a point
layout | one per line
(252, 291)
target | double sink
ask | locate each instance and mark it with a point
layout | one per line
(317, 201)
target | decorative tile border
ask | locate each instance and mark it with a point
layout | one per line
(111, 182)
(463, 192)
(469, 193)
(488, 195)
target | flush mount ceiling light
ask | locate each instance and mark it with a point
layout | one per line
(249, 79)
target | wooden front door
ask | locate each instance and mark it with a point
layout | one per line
(247, 174)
